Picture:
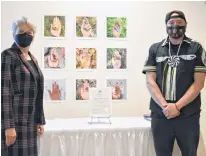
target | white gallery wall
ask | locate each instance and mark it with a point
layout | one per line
(145, 25)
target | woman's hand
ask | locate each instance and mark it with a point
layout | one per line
(10, 134)
(40, 130)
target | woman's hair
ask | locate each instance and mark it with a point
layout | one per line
(22, 20)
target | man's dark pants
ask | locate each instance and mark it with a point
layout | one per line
(186, 130)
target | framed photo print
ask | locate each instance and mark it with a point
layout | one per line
(116, 27)
(119, 88)
(116, 58)
(54, 58)
(86, 27)
(82, 88)
(54, 26)
(86, 58)
(55, 90)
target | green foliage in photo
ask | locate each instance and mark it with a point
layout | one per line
(92, 22)
(111, 23)
(48, 20)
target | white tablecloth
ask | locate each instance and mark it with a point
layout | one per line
(75, 137)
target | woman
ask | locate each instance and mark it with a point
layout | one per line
(22, 114)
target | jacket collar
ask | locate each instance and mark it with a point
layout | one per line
(17, 49)
(185, 39)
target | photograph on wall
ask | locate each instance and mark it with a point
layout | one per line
(54, 58)
(86, 27)
(82, 88)
(117, 27)
(119, 88)
(54, 90)
(86, 58)
(54, 26)
(116, 58)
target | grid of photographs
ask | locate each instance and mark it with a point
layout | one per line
(55, 57)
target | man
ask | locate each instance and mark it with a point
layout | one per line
(175, 72)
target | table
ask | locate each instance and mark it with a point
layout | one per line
(130, 136)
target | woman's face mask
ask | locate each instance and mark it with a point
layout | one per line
(24, 35)
(23, 40)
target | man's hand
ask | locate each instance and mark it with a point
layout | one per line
(10, 134)
(171, 111)
(164, 105)
(40, 130)
(193, 91)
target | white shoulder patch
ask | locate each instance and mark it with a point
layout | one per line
(194, 41)
(204, 56)
(203, 53)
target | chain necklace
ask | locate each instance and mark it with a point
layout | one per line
(174, 60)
